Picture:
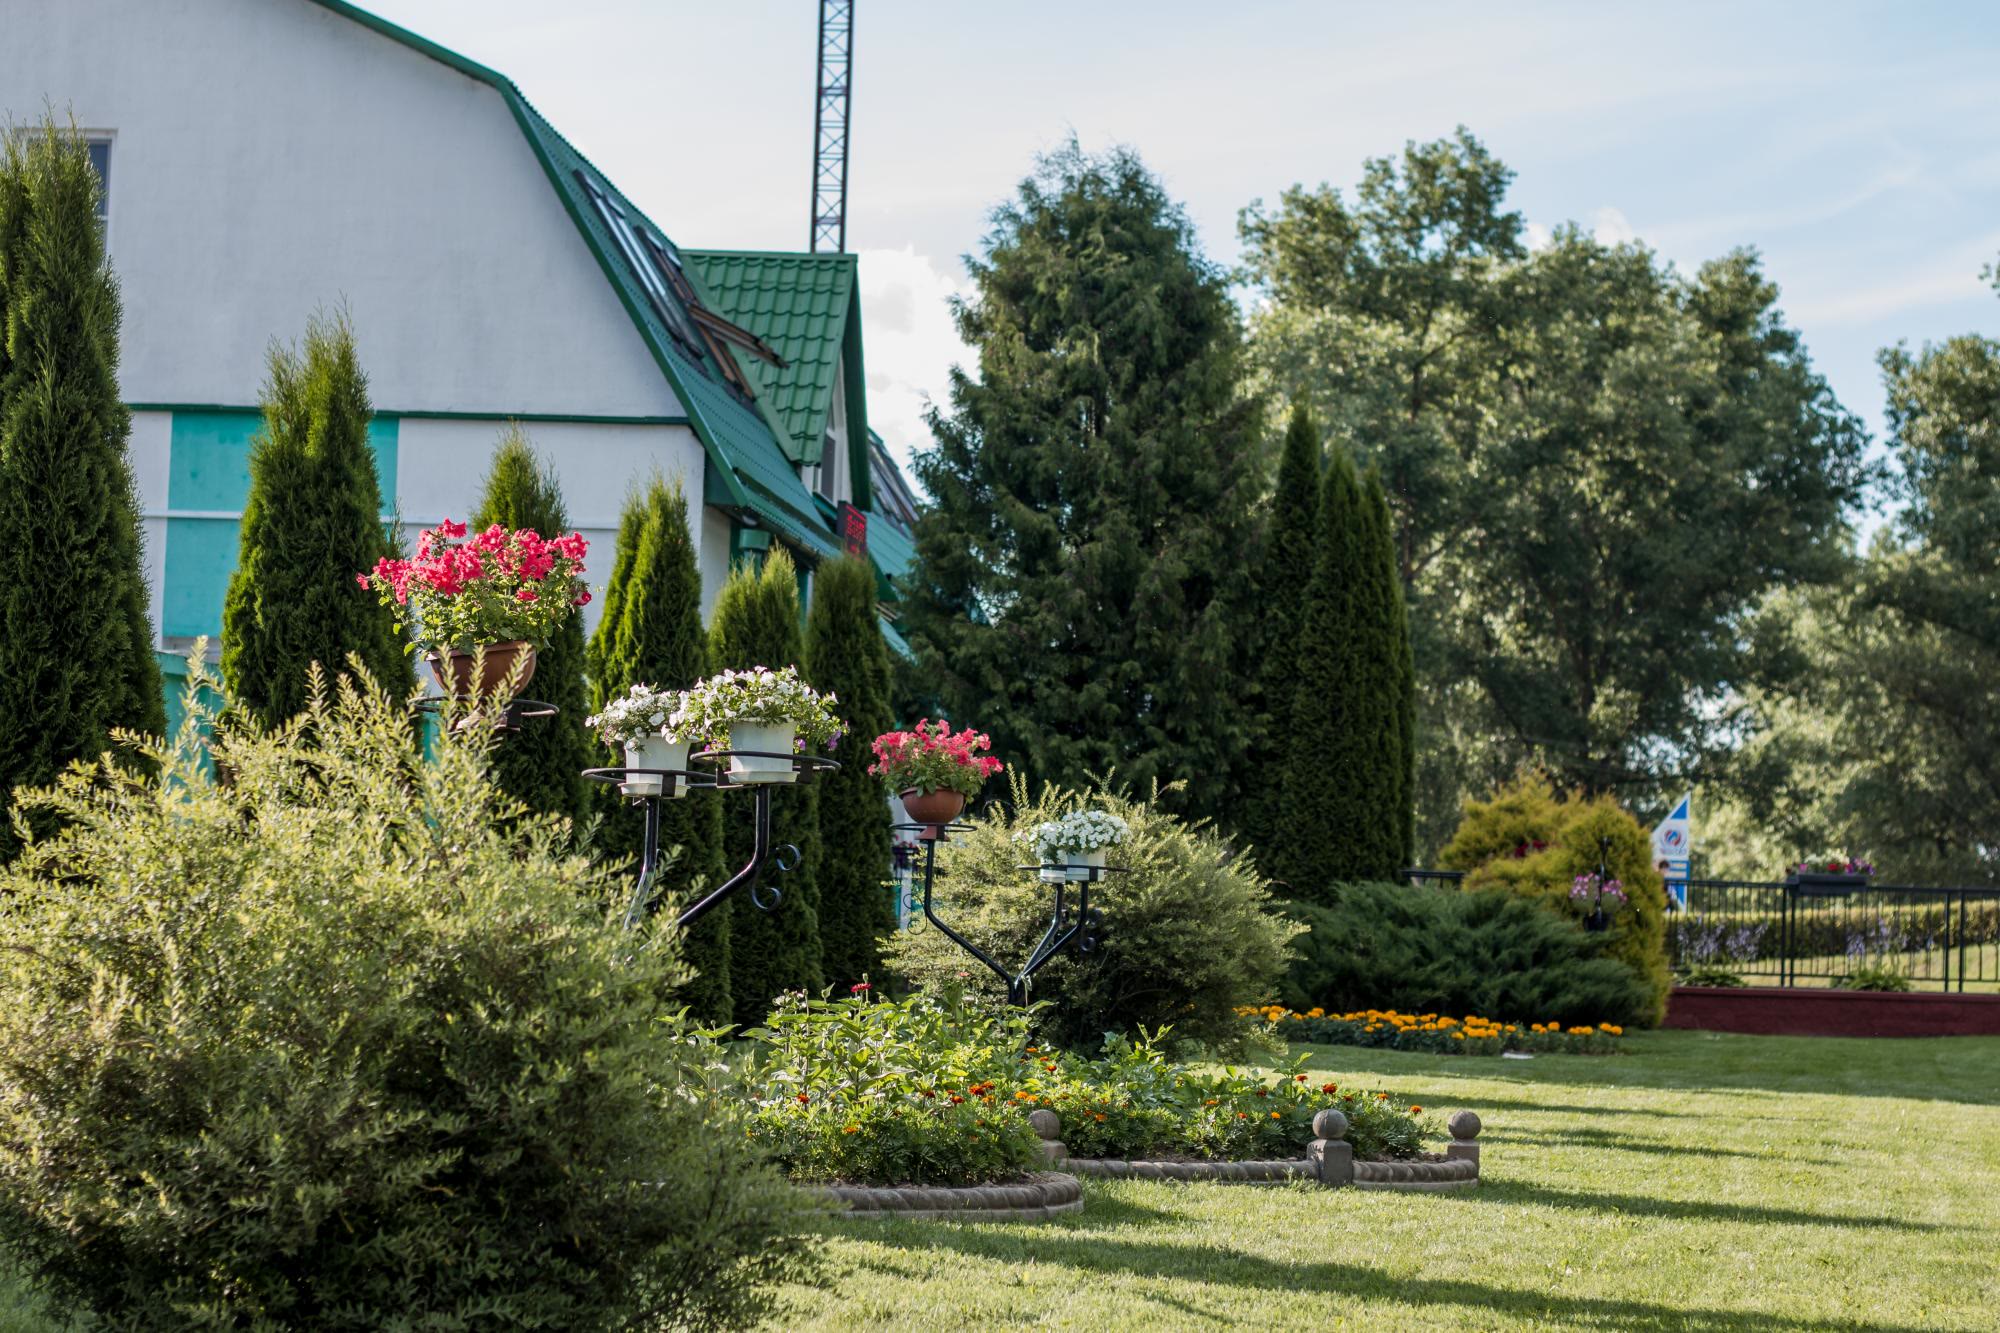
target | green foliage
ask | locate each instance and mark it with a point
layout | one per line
(1085, 580)
(1189, 930)
(76, 647)
(846, 656)
(1389, 946)
(355, 1044)
(651, 631)
(1529, 841)
(1873, 977)
(540, 764)
(1709, 975)
(313, 520)
(1561, 433)
(1291, 549)
(756, 623)
(1398, 665)
(1345, 815)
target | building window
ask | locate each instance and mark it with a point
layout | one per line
(646, 255)
(100, 158)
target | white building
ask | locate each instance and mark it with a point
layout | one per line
(267, 158)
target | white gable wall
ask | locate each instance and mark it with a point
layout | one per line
(271, 157)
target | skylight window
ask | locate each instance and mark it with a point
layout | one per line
(651, 262)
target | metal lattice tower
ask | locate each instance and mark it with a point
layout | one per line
(836, 95)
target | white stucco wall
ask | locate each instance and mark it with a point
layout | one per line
(271, 157)
(147, 446)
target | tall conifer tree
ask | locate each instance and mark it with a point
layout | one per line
(543, 761)
(756, 623)
(652, 633)
(76, 644)
(313, 520)
(1086, 570)
(846, 655)
(1291, 542)
(1399, 666)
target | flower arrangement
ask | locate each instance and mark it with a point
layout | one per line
(496, 587)
(1834, 865)
(1080, 831)
(1438, 1034)
(931, 758)
(1593, 889)
(641, 713)
(763, 696)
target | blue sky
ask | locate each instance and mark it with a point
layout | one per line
(1857, 146)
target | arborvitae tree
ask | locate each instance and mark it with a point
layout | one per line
(845, 654)
(1291, 543)
(76, 646)
(1086, 572)
(756, 623)
(313, 520)
(1343, 748)
(542, 762)
(651, 632)
(1398, 664)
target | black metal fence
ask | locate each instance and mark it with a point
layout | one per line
(1775, 933)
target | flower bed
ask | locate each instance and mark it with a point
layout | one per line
(1438, 1034)
(932, 1092)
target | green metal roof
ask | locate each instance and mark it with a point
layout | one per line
(754, 473)
(890, 547)
(802, 305)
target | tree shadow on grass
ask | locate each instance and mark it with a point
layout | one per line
(1505, 1191)
(1616, 1142)
(1234, 1268)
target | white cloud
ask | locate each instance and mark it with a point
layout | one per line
(1610, 227)
(910, 343)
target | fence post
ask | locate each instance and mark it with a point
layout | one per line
(1961, 942)
(1785, 939)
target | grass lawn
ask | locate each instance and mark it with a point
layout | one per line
(1700, 1181)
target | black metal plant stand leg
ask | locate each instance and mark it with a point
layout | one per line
(1081, 925)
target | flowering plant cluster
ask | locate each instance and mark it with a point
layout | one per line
(931, 758)
(929, 1090)
(497, 586)
(641, 712)
(1834, 865)
(1077, 831)
(1439, 1034)
(773, 698)
(1587, 887)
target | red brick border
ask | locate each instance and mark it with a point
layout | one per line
(1798, 1012)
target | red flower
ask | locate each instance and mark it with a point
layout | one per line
(803, 1099)
(857, 988)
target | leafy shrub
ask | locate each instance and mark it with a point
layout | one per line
(1437, 1034)
(1189, 933)
(1389, 946)
(1709, 976)
(354, 1044)
(1873, 976)
(930, 1090)
(1534, 843)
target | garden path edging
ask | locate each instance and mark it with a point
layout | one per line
(1043, 1195)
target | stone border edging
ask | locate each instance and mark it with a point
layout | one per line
(1043, 1195)
(1329, 1160)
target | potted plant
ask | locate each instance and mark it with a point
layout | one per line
(763, 717)
(650, 725)
(481, 605)
(932, 771)
(1597, 891)
(1830, 874)
(1073, 847)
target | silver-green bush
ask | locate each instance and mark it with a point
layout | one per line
(1190, 932)
(352, 1042)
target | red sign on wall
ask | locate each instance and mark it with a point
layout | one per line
(853, 529)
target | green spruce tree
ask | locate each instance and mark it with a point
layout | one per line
(312, 522)
(542, 763)
(846, 655)
(1343, 748)
(651, 633)
(1291, 541)
(756, 623)
(76, 645)
(1086, 571)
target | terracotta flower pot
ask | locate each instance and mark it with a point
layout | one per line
(934, 808)
(455, 671)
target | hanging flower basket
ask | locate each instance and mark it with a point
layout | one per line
(932, 771)
(650, 726)
(1831, 875)
(1074, 846)
(763, 717)
(501, 591)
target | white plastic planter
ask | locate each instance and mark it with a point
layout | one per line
(772, 737)
(654, 751)
(1082, 863)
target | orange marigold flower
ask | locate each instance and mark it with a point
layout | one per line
(851, 1129)
(1329, 1088)
(1274, 1115)
(1299, 1078)
(1416, 1110)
